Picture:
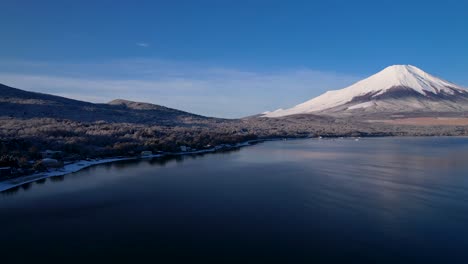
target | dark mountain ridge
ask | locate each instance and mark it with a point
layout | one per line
(16, 103)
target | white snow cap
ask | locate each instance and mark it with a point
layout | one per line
(397, 75)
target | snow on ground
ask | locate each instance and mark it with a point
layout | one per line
(67, 169)
(361, 105)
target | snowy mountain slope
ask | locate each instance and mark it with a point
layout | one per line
(395, 89)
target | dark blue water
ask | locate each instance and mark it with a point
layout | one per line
(383, 200)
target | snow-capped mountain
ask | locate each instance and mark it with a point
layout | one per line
(397, 88)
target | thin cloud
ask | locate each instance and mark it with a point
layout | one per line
(143, 44)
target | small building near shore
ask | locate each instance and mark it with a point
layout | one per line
(183, 148)
(49, 154)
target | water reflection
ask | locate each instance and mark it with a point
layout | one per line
(41, 181)
(120, 165)
(26, 186)
(11, 191)
(56, 179)
(389, 200)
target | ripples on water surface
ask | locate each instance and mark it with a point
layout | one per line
(375, 200)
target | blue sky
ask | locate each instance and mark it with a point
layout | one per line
(223, 58)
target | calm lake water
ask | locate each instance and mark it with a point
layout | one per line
(379, 200)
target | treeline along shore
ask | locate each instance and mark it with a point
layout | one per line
(33, 145)
(40, 131)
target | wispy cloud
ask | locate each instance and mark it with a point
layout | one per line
(143, 44)
(207, 90)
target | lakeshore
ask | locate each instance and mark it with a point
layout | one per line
(82, 164)
(357, 194)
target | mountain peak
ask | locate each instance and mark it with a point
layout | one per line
(408, 79)
(400, 71)
(401, 67)
(135, 105)
(405, 76)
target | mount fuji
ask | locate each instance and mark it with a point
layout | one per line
(395, 89)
